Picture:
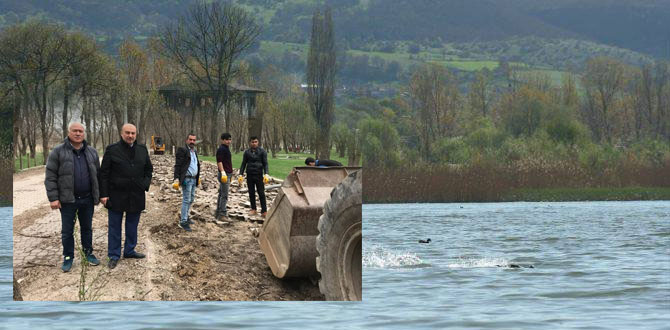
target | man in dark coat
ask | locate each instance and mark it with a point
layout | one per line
(225, 164)
(125, 175)
(186, 175)
(321, 162)
(71, 181)
(255, 161)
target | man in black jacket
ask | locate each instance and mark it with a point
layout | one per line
(71, 181)
(225, 165)
(255, 161)
(125, 175)
(186, 175)
(321, 162)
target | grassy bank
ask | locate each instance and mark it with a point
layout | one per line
(498, 183)
(280, 166)
(587, 194)
(39, 160)
(553, 195)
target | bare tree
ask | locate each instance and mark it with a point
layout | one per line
(141, 82)
(33, 54)
(436, 99)
(206, 43)
(480, 92)
(662, 82)
(604, 79)
(321, 78)
(78, 53)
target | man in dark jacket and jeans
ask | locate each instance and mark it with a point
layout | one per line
(186, 175)
(125, 175)
(255, 161)
(71, 181)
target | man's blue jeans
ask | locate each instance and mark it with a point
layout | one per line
(188, 194)
(82, 208)
(114, 233)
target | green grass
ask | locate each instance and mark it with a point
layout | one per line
(588, 194)
(276, 48)
(468, 65)
(555, 77)
(280, 166)
(39, 157)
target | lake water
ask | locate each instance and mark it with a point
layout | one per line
(597, 265)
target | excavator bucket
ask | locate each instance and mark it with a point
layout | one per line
(288, 236)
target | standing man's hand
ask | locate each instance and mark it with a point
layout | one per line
(55, 205)
(266, 179)
(103, 200)
(175, 185)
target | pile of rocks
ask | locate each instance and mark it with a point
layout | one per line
(204, 205)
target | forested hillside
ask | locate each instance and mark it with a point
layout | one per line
(637, 25)
(488, 86)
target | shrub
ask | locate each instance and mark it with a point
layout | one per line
(452, 150)
(487, 136)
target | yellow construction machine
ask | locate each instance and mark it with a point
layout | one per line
(157, 145)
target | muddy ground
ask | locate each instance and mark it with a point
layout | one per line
(216, 261)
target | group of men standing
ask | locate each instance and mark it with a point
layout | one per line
(187, 176)
(76, 181)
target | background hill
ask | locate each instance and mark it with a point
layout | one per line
(641, 26)
(383, 41)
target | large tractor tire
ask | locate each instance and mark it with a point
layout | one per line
(339, 241)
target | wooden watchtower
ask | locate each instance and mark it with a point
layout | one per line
(187, 100)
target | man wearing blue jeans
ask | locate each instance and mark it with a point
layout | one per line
(71, 181)
(125, 176)
(186, 175)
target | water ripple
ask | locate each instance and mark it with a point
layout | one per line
(381, 257)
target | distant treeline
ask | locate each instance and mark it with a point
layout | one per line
(6, 166)
(608, 128)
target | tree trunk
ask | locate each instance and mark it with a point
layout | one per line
(43, 125)
(94, 134)
(323, 144)
(66, 104)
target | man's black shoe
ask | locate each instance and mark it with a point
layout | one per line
(135, 255)
(92, 260)
(67, 264)
(112, 263)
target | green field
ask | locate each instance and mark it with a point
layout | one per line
(468, 65)
(280, 166)
(39, 157)
(277, 49)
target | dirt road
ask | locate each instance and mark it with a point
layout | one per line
(216, 261)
